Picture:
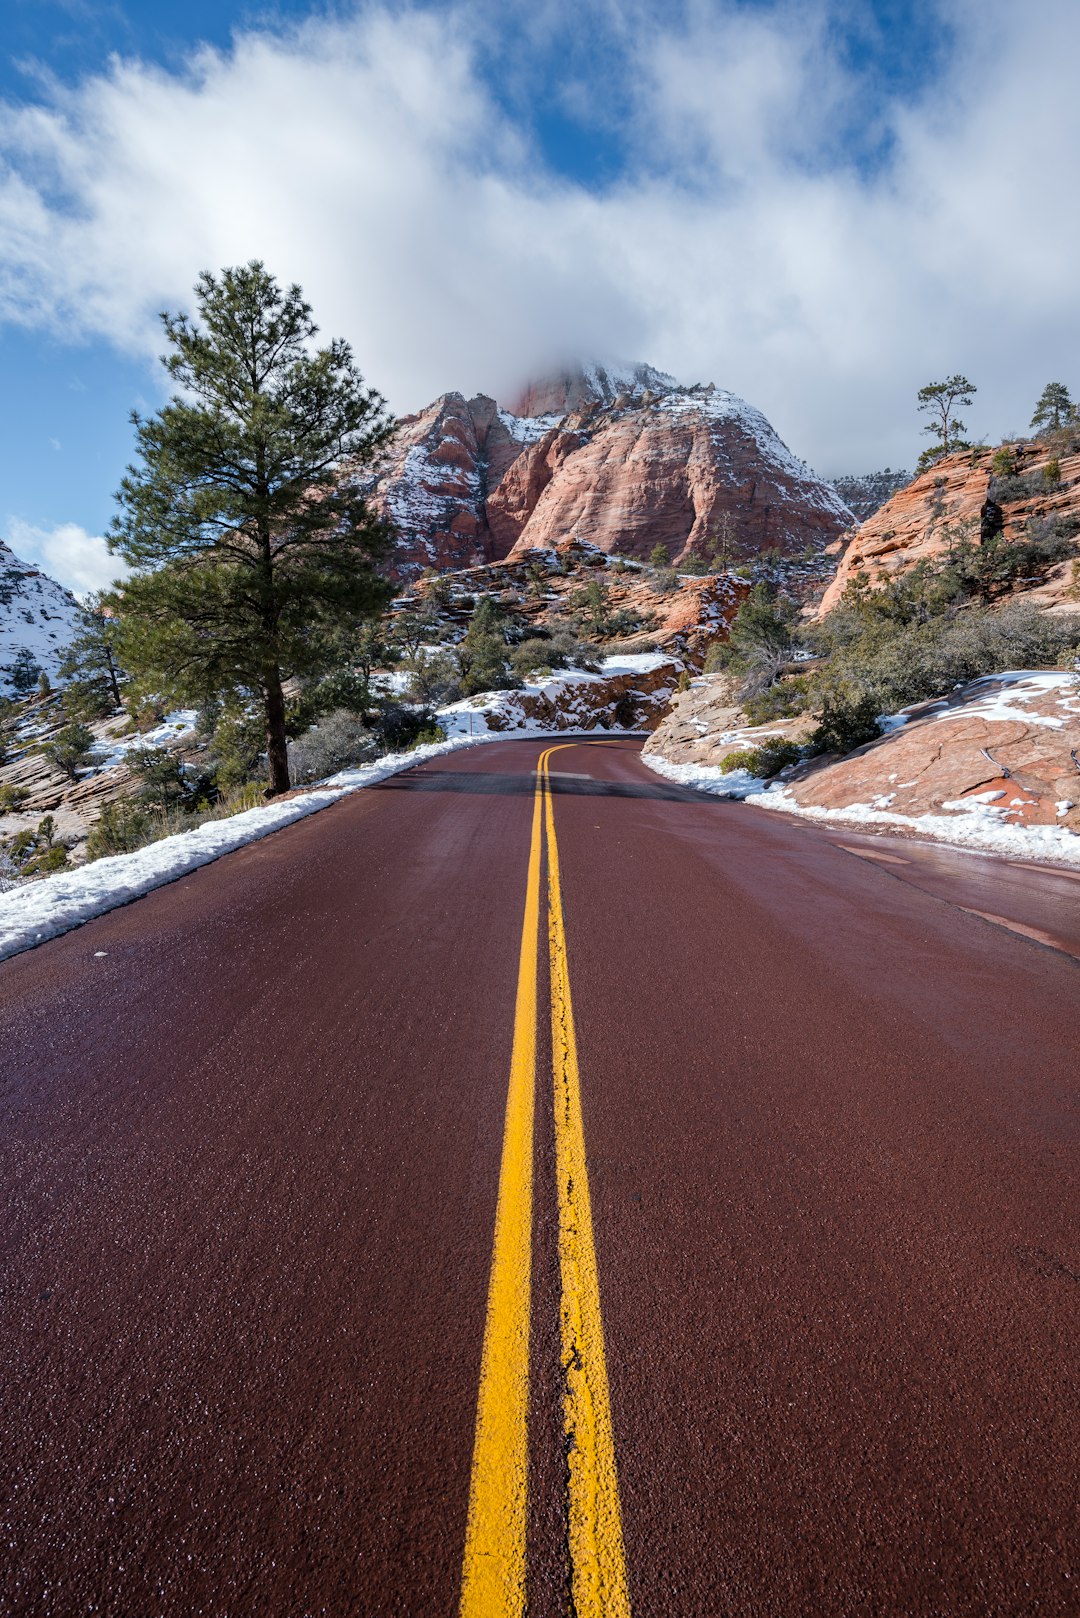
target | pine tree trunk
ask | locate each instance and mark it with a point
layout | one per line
(277, 747)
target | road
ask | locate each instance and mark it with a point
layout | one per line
(592, 1194)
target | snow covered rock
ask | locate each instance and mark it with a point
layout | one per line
(38, 618)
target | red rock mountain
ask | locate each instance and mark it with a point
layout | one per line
(625, 458)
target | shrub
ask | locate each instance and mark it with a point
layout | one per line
(398, 726)
(719, 657)
(429, 734)
(236, 747)
(773, 755)
(70, 749)
(47, 861)
(123, 825)
(665, 580)
(847, 722)
(11, 798)
(784, 700)
(161, 778)
(338, 742)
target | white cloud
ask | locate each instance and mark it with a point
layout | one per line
(366, 158)
(79, 560)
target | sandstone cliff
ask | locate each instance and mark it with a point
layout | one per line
(625, 458)
(961, 494)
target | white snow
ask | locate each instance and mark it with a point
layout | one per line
(173, 727)
(469, 717)
(717, 404)
(976, 824)
(36, 615)
(528, 429)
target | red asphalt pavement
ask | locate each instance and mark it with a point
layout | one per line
(251, 1137)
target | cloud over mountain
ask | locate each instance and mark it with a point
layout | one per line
(781, 222)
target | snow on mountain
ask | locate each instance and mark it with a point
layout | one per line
(38, 618)
(623, 456)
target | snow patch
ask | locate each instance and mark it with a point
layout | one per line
(40, 910)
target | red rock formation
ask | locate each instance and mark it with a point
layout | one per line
(624, 458)
(960, 494)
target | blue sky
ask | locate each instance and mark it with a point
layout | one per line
(819, 204)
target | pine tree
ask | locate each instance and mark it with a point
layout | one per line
(250, 537)
(940, 400)
(24, 673)
(1054, 408)
(91, 663)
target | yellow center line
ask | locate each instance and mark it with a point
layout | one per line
(493, 1571)
(594, 1523)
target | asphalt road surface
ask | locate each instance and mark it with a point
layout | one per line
(546, 1187)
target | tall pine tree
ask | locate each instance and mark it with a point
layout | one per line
(245, 522)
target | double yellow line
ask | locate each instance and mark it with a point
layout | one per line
(493, 1573)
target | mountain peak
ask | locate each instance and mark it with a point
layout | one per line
(590, 383)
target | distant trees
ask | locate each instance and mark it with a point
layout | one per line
(251, 542)
(1054, 407)
(24, 672)
(940, 401)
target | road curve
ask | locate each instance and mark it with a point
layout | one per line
(823, 1162)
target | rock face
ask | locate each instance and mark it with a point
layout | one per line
(961, 492)
(706, 723)
(37, 617)
(1006, 741)
(627, 694)
(624, 458)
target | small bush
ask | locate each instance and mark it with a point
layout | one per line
(773, 755)
(784, 700)
(12, 798)
(339, 742)
(427, 736)
(846, 723)
(665, 580)
(47, 861)
(70, 749)
(719, 657)
(123, 825)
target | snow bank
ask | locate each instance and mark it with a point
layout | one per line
(977, 824)
(29, 915)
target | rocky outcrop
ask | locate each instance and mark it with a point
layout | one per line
(961, 495)
(706, 723)
(624, 458)
(1007, 741)
(543, 589)
(38, 618)
(627, 694)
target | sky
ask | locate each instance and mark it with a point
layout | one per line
(819, 204)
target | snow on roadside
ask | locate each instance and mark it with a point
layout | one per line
(975, 824)
(40, 910)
